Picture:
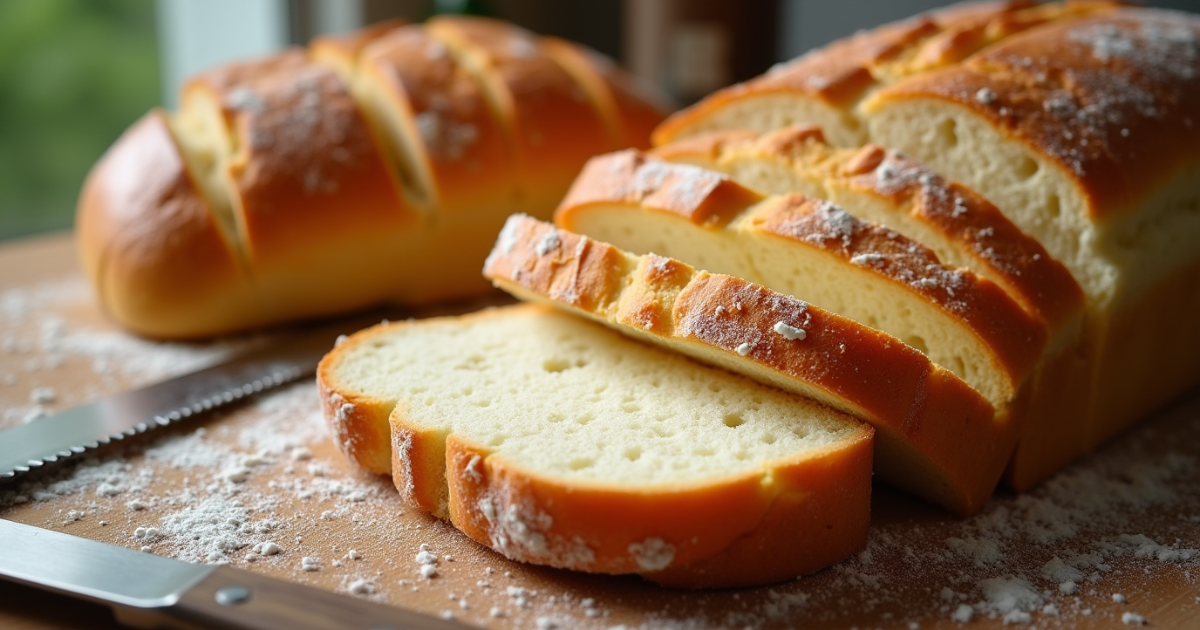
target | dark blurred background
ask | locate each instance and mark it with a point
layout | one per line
(75, 73)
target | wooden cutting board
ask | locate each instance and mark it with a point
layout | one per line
(1104, 544)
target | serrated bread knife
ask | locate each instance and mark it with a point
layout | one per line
(75, 431)
(148, 591)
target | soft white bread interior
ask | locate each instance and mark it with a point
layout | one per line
(922, 413)
(1079, 121)
(813, 250)
(558, 442)
(324, 172)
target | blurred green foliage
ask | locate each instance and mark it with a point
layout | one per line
(73, 75)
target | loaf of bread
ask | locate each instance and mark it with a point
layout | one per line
(960, 226)
(558, 442)
(814, 250)
(1081, 123)
(922, 413)
(372, 167)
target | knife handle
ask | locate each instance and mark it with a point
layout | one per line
(241, 600)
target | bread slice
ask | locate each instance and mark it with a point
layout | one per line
(558, 442)
(922, 413)
(886, 187)
(963, 229)
(814, 250)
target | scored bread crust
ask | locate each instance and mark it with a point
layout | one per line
(1133, 67)
(923, 414)
(1005, 334)
(327, 205)
(963, 225)
(537, 100)
(451, 140)
(159, 287)
(633, 111)
(824, 86)
(796, 515)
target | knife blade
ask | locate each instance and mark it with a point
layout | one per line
(73, 432)
(149, 591)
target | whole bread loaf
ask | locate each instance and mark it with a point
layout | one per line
(555, 441)
(1081, 123)
(372, 167)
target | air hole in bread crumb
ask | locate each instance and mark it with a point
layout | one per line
(497, 440)
(429, 401)
(1053, 206)
(485, 402)
(703, 451)
(585, 418)
(1029, 167)
(556, 417)
(918, 343)
(633, 454)
(947, 132)
(734, 420)
(631, 407)
(555, 365)
(768, 438)
(580, 464)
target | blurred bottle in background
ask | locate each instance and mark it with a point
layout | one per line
(691, 47)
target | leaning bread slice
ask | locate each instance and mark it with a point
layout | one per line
(923, 414)
(812, 249)
(555, 441)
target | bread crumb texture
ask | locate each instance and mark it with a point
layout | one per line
(568, 399)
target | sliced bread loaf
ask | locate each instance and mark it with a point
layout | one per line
(556, 441)
(963, 229)
(923, 414)
(812, 249)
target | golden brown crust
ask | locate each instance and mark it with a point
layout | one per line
(1013, 335)
(539, 103)
(842, 73)
(459, 153)
(342, 51)
(188, 285)
(634, 110)
(923, 413)
(1113, 99)
(731, 532)
(301, 147)
(701, 196)
(1022, 265)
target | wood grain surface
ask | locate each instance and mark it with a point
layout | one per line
(1124, 521)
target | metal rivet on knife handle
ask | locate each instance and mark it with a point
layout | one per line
(232, 595)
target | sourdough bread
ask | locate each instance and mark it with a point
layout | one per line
(556, 441)
(922, 413)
